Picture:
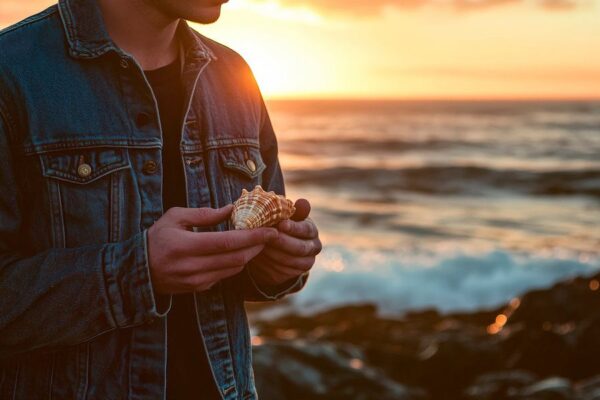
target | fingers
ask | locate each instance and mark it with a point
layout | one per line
(304, 229)
(292, 264)
(188, 217)
(295, 246)
(200, 243)
(218, 262)
(302, 210)
(200, 282)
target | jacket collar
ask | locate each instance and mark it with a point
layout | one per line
(87, 36)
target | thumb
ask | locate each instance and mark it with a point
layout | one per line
(302, 210)
(189, 217)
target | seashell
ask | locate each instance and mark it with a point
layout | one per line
(259, 208)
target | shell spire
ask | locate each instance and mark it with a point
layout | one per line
(259, 208)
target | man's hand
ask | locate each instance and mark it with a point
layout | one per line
(292, 252)
(185, 261)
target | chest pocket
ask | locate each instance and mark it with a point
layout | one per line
(86, 189)
(243, 167)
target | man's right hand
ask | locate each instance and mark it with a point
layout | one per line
(185, 261)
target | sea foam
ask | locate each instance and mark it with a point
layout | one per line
(397, 283)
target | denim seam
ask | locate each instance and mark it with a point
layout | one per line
(31, 149)
(142, 271)
(102, 172)
(61, 217)
(280, 294)
(106, 251)
(230, 142)
(147, 267)
(10, 123)
(76, 45)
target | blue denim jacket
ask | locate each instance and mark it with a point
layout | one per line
(80, 176)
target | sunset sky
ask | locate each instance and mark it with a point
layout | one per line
(408, 48)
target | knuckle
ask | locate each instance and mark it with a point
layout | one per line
(225, 243)
(318, 246)
(307, 248)
(173, 212)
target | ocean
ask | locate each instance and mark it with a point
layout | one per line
(456, 206)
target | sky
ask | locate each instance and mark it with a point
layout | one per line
(426, 49)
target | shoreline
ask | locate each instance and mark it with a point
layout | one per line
(543, 345)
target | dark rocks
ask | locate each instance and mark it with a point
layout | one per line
(545, 345)
(549, 389)
(499, 385)
(304, 370)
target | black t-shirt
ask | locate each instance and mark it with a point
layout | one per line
(188, 371)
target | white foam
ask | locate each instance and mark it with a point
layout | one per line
(458, 282)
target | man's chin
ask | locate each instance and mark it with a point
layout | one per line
(206, 15)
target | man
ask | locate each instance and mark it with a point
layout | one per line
(111, 112)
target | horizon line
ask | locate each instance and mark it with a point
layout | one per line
(436, 99)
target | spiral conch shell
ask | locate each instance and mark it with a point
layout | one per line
(259, 208)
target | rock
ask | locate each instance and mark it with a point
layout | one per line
(352, 352)
(589, 389)
(554, 388)
(586, 351)
(564, 303)
(530, 349)
(499, 385)
(307, 370)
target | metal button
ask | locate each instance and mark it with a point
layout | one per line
(84, 170)
(251, 165)
(150, 167)
(124, 63)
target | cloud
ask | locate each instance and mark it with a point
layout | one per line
(373, 7)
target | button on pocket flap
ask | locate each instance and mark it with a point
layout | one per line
(83, 166)
(243, 159)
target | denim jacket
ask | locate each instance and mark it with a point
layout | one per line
(80, 184)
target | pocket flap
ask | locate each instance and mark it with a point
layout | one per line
(243, 159)
(83, 165)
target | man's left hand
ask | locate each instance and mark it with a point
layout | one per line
(292, 253)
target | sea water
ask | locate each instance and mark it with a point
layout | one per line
(450, 205)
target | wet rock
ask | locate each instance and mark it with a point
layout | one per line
(589, 389)
(499, 385)
(554, 388)
(513, 352)
(305, 370)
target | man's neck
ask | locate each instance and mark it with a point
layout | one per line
(141, 30)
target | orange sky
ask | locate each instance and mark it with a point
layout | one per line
(408, 48)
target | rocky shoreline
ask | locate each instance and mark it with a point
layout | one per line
(543, 345)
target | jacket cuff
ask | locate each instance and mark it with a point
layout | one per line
(162, 302)
(129, 285)
(260, 292)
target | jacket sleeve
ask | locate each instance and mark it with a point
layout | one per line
(64, 296)
(272, 179)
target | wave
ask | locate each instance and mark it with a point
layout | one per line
(450, 180)
(560, 149)
(460, 282)
(307, 146)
